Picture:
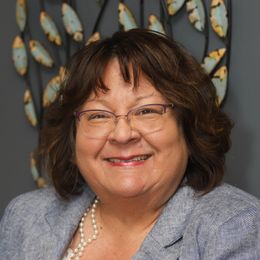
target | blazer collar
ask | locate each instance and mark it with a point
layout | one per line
(168, 230)
(63, 219)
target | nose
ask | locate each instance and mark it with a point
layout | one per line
(123, 133)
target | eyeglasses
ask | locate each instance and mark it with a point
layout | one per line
(97, 123)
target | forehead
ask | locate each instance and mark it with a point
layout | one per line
(118, 87)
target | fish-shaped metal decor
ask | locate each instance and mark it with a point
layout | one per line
(93, 38)
(126, 18)
(40, 54)
(218, 17)
(20, 14)
(174, 6)
(35, 173)
(29, 108)
(212, 60)
(20, 56)
(154, 24)
(220, 82)
(50, 29)
(51, 90)
(196, 14)
(71, 22)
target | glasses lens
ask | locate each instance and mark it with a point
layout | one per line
(96, 123)
(148, 118)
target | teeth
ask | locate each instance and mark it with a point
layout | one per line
(137, 158)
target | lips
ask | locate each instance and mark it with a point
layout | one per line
(130, 160)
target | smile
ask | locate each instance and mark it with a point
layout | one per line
(133, 159)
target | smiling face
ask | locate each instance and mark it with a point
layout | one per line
(126, 162)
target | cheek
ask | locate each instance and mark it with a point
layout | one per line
(172, 151)
(86, 150)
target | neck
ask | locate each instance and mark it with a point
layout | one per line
(118, 214)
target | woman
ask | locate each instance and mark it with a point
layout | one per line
(135, 147)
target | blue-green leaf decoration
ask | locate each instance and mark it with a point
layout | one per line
(20, 56)
(154, 24)
(34, 170)
(213, 59)
(51, 90)
(35, 173)
(126, 18)
(40, 54)
(174, 6)
(20, 14)
(218, 17)
(219, 80)
(50, 29)
(29, 108)
(196, 14)
(72, 22)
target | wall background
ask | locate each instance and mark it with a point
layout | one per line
(18, 138)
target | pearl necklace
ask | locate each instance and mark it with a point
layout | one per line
(78, 251)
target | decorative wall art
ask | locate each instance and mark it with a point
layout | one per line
(216, 19)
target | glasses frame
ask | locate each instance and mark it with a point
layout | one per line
(78, 114)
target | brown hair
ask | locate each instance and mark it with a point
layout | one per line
(173, 72)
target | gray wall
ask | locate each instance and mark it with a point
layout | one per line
(18, 138)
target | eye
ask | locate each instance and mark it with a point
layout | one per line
(97, 116)
(148, 111)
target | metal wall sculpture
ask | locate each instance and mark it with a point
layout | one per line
(215, 62)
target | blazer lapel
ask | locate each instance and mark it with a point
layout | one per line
(62, 221)
(165, 238)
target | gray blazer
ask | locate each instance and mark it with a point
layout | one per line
(223, 224)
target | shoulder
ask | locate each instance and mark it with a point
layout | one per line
(225, 222)
(37, 216)
(20, 218)
(226, 202)
(34, 202)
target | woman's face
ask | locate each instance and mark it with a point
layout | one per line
(109, 164)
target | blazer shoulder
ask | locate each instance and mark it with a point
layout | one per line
(225, 203)
(31, 203)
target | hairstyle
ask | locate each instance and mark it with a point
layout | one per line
(173, 72)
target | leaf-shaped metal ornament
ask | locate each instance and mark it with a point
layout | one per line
(40, 54)
(71, 22)
(20, 14)
(220, 82)
(50, 28)
(29, 108)
(51, 91)
(212, 60)
(174, 6)
(218, 17)
(19, 56)
(34, 170)
(196, 13)
(154, 24)
(93, 38)
(41, 183)
(126, 18)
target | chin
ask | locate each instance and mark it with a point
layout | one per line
(128, 188)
